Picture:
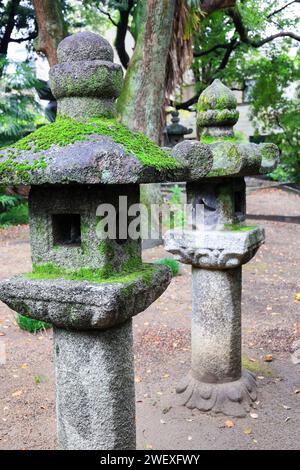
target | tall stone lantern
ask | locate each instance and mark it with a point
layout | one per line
(217, 247)
(87, 285)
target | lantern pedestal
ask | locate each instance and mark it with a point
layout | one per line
(95, 400)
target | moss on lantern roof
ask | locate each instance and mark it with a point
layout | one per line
(65, 131)
(48, 271)
(237, 138)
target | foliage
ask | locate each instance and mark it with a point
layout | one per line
(19, 109)
(7, 201)
(171, 263)
(31, 325)
(17, 19)
(232, 51)
(17, 215)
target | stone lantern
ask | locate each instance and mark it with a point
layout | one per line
(217, 247)
(175, 131)
(80, 168)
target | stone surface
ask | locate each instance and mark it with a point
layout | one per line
(222, 201)
(49, 208)
(217, 111)
(84, 46)
(94, 161)
(295, 352)
(216, 382)
(229, 398)
(95, 389)
(90, 78)
(216, 325)
(195, 156)
(243, 159)
(84, 305)
(214, 249)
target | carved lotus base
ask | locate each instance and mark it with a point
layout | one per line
(231, 398)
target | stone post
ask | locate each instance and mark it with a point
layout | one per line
(217, 246)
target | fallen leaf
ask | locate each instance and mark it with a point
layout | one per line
(137, 380)
(1, 333)
(268, 358)
(296, 391)
(297, 296)
(254, 415)
(18, 393)
(24, 366)
(248, 431)
(166, 376)
(229, 423)
(166, 410)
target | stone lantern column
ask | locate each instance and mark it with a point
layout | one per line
(217, 247)
(88, 286)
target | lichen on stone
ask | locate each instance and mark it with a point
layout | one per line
(65, 131)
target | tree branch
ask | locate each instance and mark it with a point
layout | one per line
(186, 104)
(231, 47)
(282, 8)
(122, 28)
(106, 13)
(6, 38)
(209, 6)
(237, 19)
(32, 35)
(212, 49)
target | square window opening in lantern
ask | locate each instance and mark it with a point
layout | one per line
(66, 230)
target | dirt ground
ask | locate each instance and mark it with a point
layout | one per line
(271, 321)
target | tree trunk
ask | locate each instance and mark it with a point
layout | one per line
(51, 26)
(141, 102)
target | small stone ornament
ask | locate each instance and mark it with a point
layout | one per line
(175, 132)
(217, 246)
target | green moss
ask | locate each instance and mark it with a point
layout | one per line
(239, 227)
(106, 249)
(238, 138)
(51, 271)
(257, 367)
(171, 263)
(65, 131)
(31, 325)
(21, 169)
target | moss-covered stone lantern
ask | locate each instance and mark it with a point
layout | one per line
(87, 285)
(217, 247)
